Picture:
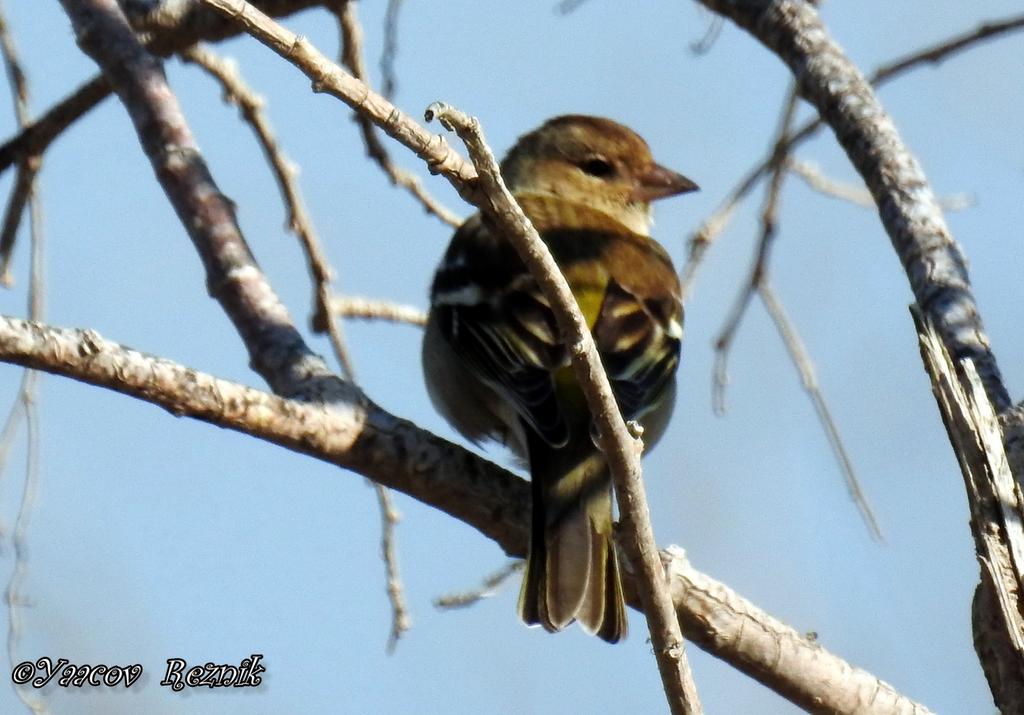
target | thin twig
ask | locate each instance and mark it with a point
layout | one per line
(711, 35)
(943, 50)
(713, 226)
(352, 58)
(620, 447)
(389, 518)
(26, 401)
(489, 587)
(389, 54)
(250, 105)
(12, 423)
(328, 77)
(567, 7)
(377, 444)
(20, 196)
(348, 306)
(757, 271)
(932, 260)
(815, 178)
(802, 360)
(38, 135)
(758, 283)
(171, 27)
(23, 189)
(13, 596)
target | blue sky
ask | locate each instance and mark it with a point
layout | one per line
(154, 537)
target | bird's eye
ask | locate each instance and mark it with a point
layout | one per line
(596, 166)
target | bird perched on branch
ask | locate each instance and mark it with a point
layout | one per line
(497, 368)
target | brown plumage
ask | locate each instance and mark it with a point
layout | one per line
(496, 367)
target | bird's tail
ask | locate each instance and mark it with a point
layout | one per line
(572, 571)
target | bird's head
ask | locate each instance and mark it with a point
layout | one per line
(594, 161)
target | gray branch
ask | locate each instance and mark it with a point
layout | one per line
(931, 258)
(362, 437)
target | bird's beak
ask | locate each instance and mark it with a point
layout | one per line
(657, 182)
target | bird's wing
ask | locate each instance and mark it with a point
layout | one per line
(491, 311)
(493, 315)
(639, 340)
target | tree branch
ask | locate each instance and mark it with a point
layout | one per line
(757, 282)
(941, 51)
(819, 696)
(369, 440)
(332, 79)
(712, 227)
(250, 105)
(997, 514)
(176, 24)
(938, 277)
(364, 438)
(37, 136)
(933, 261)
(352, 58)
(276, 349)
(349, 306)
(172, 25)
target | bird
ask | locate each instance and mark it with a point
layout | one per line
(497, 369)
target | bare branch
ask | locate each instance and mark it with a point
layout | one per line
(760, 265)
(277, 351)
(237, 92)
(25, 404)
(36, 137)
(488, 588)
(389, 518)
(941, 51)
(14, 598)
(933, 261)
(713, 226)
(770, 647)
(352, 58)
(804, 365)
(815, 178)
(24, 184)
(389, 76)
(758, 282)
(368, 309)
(997, 516)
(332, 79)
(172, 25)
(299, 221)
(21, 194)
(362, 437)
(356, 435)
(621, 449)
